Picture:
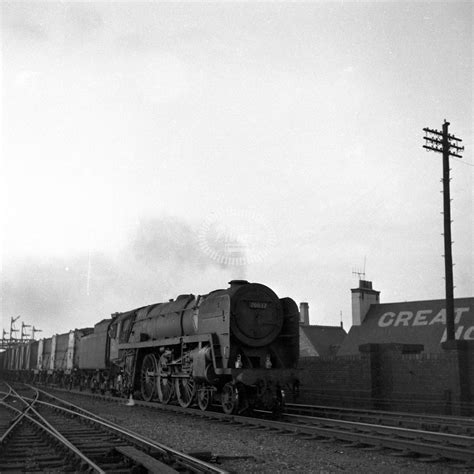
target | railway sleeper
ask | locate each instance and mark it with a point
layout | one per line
(145, 460)
(354, 444)
(431, 459)
(305, 437)
(404, 454)
(373, 448)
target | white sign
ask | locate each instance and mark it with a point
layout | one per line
(427, 317)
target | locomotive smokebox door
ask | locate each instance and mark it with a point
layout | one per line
(257, 315)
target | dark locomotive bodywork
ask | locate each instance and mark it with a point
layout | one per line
(93, 369)
(237, 346)
(93, 348)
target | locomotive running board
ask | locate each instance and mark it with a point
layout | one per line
(172, 341)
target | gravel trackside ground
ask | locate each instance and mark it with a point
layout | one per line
(251, 451)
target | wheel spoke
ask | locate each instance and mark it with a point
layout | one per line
(229, 398)
(163, 382)
(185, 391)
(203, 397)
(148, 374)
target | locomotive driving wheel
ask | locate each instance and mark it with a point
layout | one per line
(203, 396)
(185, 390)
(164, 384)
(229, 398)
(148, 376)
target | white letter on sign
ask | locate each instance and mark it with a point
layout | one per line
(386, 319)
(420, 318)
(459, 312)
(403, 317)
(469, 334)
(440, 317)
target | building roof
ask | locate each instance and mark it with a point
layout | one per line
(325, 340)
(415, 322)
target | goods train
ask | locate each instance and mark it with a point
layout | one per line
(237, 346)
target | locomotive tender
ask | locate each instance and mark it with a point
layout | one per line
(239, 346)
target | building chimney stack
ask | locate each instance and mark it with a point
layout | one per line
(362, 298)
(304, 314)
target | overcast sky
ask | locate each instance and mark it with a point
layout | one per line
(146, 145)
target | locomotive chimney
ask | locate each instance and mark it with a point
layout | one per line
(304, 314)
(362, 298)
(236, 283)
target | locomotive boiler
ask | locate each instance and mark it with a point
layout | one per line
(237, 346)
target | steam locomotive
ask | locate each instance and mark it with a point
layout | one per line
(238, 346)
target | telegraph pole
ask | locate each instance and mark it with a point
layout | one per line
(23, 333)
(443, 142)
(12, 327)
(34, 331)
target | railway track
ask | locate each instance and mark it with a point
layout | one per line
(444, 424)
(428, 445)
(422, 443)
(54, 435)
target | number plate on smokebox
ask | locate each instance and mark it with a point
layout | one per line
(257, 305)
